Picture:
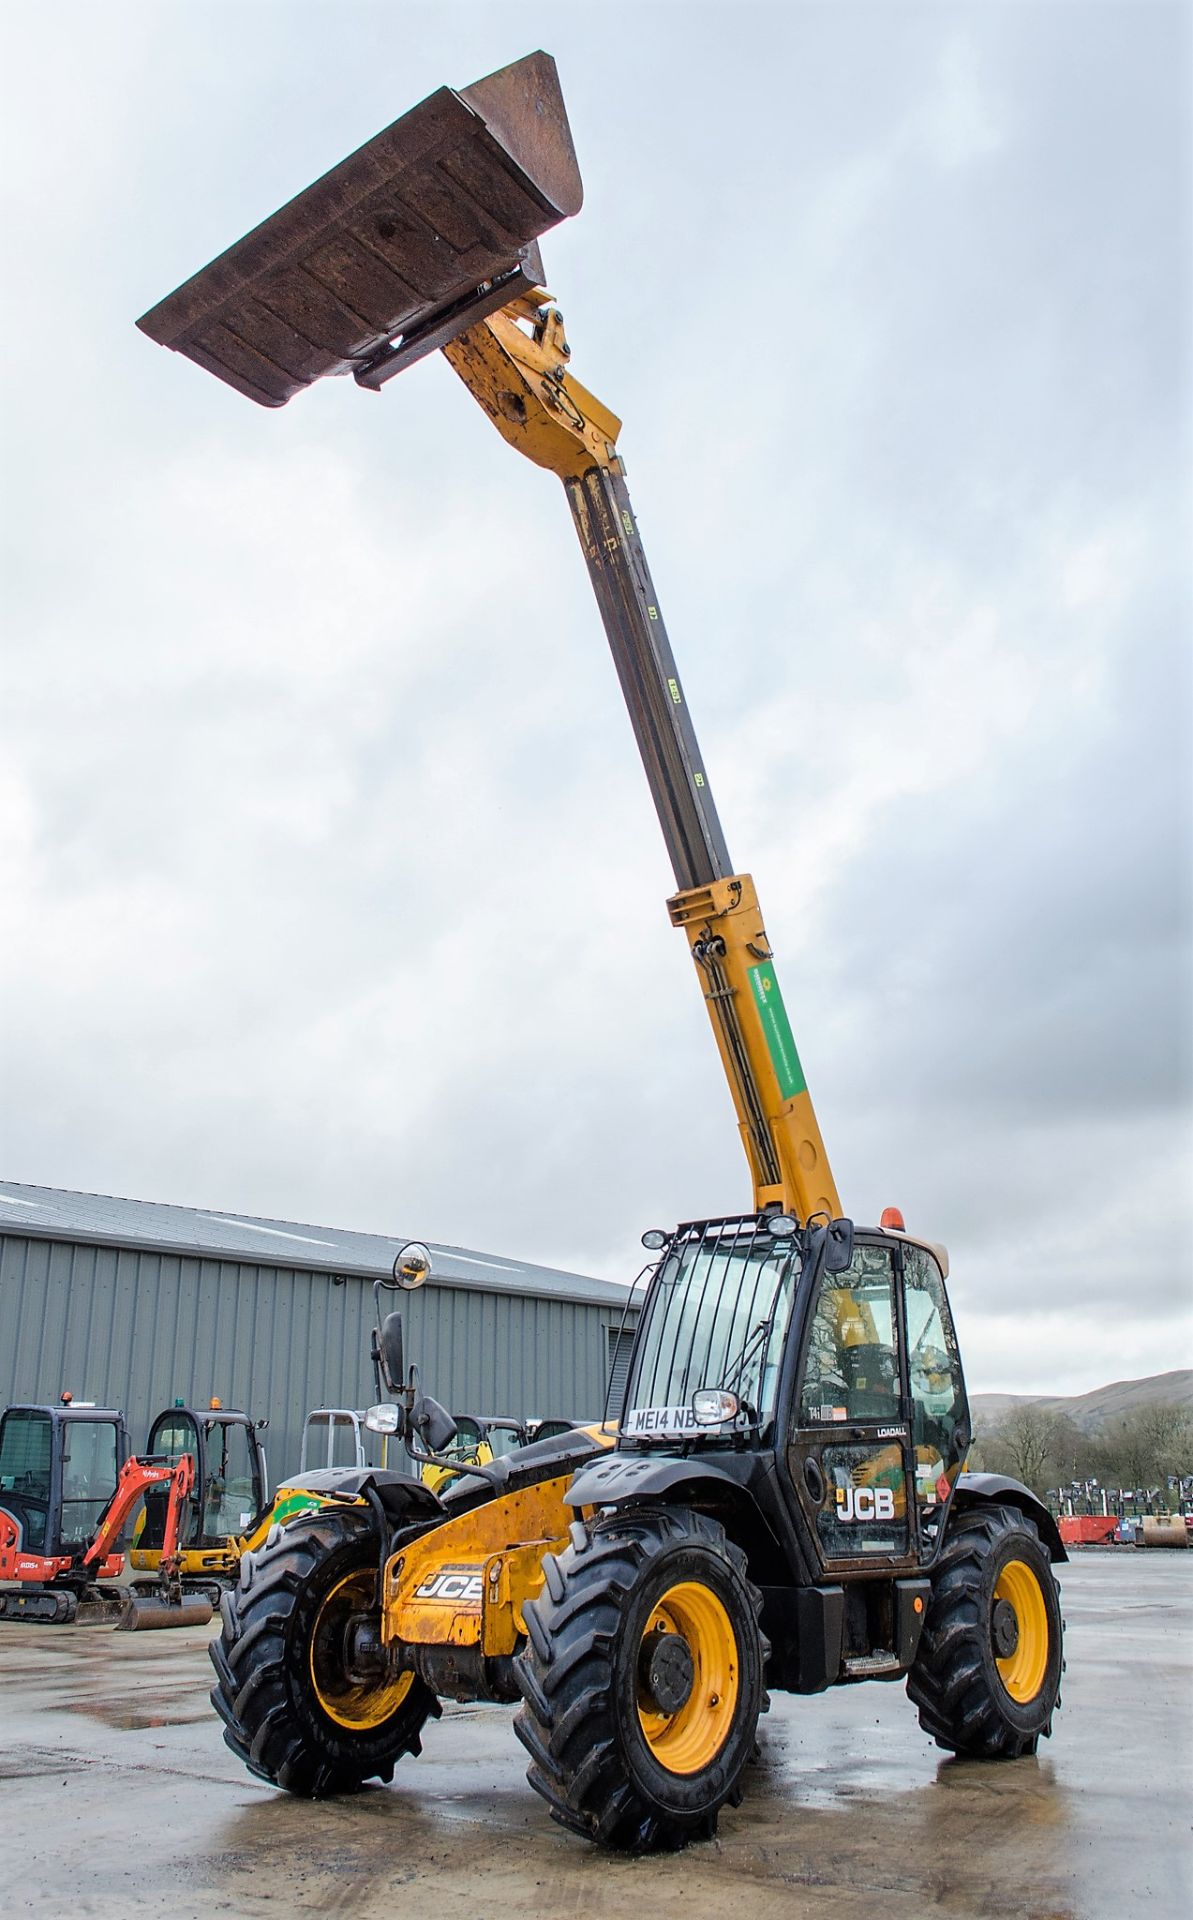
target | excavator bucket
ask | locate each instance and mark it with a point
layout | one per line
(143, 1613)
(419, 233)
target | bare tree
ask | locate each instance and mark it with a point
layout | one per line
(1149, 1444)
(1023, 1444)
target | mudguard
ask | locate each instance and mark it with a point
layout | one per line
(401, 1495)
(973, 1488)
(627, 1478)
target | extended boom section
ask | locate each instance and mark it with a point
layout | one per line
(514, 363)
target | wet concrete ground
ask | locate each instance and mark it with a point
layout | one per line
(118, 1796)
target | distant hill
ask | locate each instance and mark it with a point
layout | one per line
(1096, 1408)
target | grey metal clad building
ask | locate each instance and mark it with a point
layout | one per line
(133, 1304)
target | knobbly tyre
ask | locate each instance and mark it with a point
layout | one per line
(784, 1506)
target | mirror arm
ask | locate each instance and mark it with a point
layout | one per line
(417, 1451)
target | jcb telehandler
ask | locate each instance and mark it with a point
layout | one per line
(785, 1505)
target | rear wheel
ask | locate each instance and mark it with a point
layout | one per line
(642, 1679)
(295, 1708)
(986, 1677)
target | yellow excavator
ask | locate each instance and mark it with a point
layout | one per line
(782, 1506)
(226, 1507)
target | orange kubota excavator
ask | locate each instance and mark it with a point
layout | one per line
(68, 1488)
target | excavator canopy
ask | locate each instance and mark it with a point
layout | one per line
(423, 230)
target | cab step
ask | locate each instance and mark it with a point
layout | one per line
(870, 1666)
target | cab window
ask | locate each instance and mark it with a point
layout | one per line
(851, 1365)
(934, 1368)
(229, 1491)
(25, 1444)
(465, 1440)
(89, 1471)
(174, 1434)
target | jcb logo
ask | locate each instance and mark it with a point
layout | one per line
(454, 1583)
(865, 1503)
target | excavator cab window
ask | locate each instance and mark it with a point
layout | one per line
(172, 1434)
(231, 1489)
(504, 1436)
(469, 1435)
(26, 1443)
(90, 1468)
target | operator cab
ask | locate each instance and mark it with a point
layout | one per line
(58, 1471)
(830, 1348)
(231, 1489)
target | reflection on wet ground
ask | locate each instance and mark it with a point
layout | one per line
(849, 1811)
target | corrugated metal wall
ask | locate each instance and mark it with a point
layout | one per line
(135, 1329)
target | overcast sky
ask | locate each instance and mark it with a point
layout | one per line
(331, 885)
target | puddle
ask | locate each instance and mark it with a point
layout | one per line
(125, 1717)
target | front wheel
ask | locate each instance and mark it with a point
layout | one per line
(986, 1677)
(642, 1679)
(294, 1707)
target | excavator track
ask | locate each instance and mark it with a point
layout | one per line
(60, 1607)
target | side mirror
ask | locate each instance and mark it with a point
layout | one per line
(392, 1357)
(412, 1268)
(433, 1423)
(838, 1252)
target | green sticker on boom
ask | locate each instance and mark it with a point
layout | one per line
(777, 1028)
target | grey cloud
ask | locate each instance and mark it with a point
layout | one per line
(337, 886)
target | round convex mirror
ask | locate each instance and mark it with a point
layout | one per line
(412, 1266)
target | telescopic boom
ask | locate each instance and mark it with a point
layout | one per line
(426, 240)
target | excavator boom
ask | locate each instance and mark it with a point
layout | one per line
(426, 239)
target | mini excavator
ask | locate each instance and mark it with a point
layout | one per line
(68, 1488)
(226, 1508)
(783, 1503)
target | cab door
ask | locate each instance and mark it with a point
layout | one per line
(849, 1451)
(91, 1462)
(172, 1434)
(939, 1409)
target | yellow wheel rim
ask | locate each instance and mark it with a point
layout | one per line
(692, 1737)
(348, 1702)
(1022, 1672)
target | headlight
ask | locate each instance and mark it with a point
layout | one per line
(384, 1419)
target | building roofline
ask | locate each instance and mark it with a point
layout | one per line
(350, 1254)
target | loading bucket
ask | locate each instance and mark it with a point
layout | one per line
(142, 1615)
(425, 228)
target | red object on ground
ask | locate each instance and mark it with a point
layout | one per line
(1088, 1529)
